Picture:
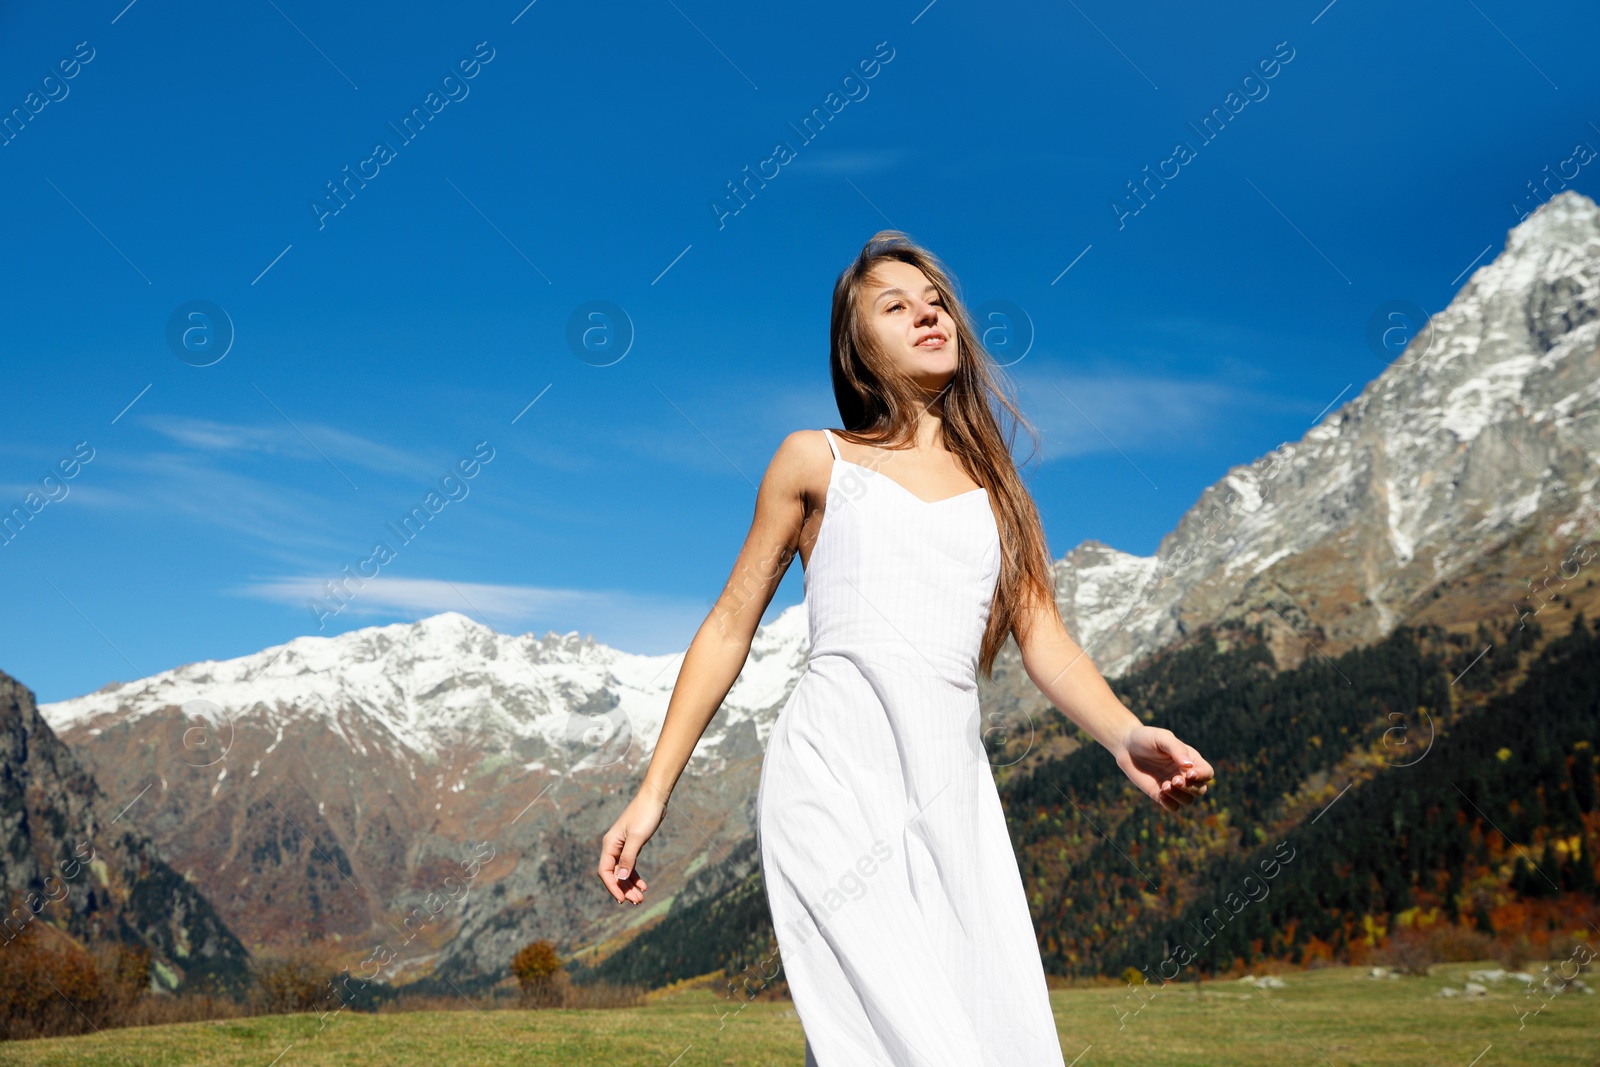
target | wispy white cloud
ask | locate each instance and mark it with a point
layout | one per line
(195, 492)
(643, 624)
(1082, 414)
(283, 439)
(859, 162)
(851, 162)
(213, 436)
(233, 476)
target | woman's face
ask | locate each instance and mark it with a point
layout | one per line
(911, 324)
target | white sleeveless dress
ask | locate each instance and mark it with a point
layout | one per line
(901, 919)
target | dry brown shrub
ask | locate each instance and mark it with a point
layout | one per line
(1581, 951)
(184, 1008)
(1514, 953)
(51, 986)
(1414, 951)
(1407, 953)
(1460, 944)
(293, 980)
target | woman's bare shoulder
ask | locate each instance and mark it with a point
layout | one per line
(802, 462)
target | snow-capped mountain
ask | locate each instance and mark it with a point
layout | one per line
(421, 689)
(333, 783)
(1483, 435)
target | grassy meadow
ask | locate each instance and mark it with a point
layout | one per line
(1333, 1016)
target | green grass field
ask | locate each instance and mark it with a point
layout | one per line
(1336, 1016)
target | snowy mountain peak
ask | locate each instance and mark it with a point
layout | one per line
(447, 680)
(1565, 218)
(448, 622)
(787, 626)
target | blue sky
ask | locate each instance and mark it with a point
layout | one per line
(375, 347)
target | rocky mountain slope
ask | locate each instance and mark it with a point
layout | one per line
(331, 784)
(70, 861)
(1484, 433)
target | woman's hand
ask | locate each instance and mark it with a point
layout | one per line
(619, 849)
(1167, 770)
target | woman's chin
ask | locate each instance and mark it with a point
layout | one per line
(925, 364)
(932, 379)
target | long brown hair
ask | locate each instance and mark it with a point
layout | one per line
(880, 405)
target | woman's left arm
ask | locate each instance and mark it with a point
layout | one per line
(1168, 771)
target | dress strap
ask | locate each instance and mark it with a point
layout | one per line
(832, 444)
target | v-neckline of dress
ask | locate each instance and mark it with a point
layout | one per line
(907, 492)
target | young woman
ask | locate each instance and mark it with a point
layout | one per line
(900, 914)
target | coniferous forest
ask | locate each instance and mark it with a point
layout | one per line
(1354, 805)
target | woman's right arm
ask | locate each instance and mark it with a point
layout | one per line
(717, 654)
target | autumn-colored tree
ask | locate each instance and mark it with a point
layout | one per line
(538, 970)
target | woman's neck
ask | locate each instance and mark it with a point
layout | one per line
(929, 433)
